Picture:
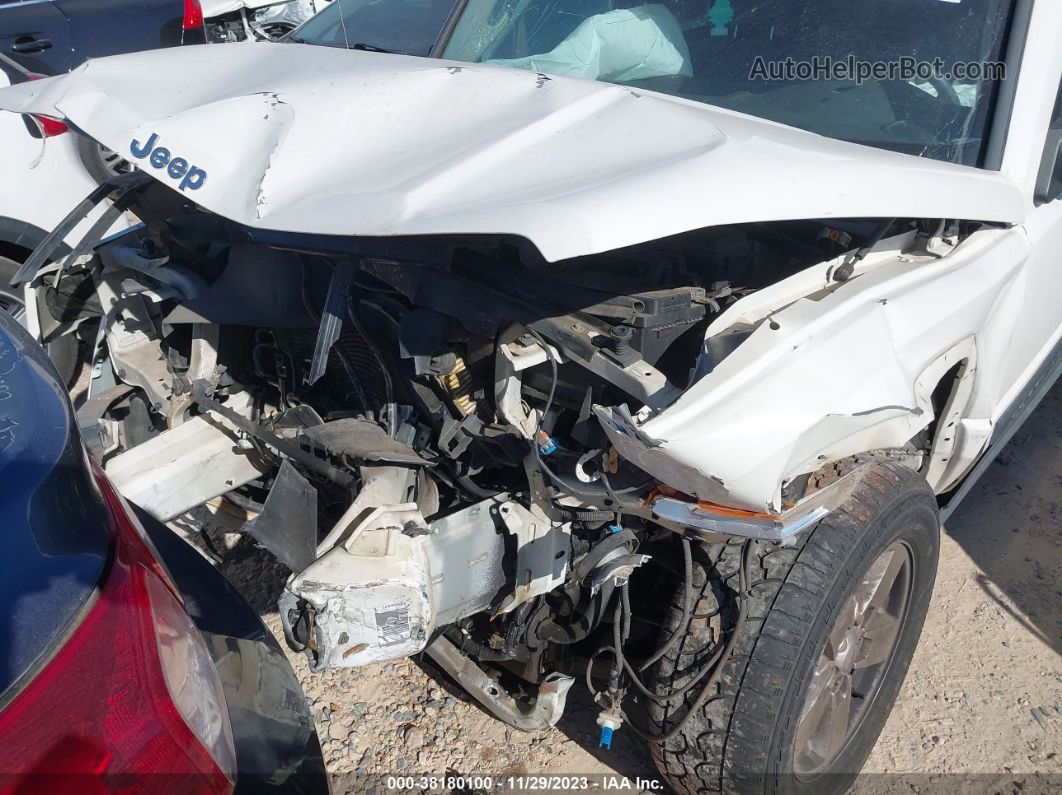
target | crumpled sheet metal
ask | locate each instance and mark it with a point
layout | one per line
(827, 377)
(300, 138)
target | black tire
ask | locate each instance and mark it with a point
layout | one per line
(743, 739)
(63, 351)
(100, 162)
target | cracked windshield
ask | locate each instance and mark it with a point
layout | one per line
(876, 72)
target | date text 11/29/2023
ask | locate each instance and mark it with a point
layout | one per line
(513, 784)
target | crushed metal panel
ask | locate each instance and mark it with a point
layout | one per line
(287, 525)
(183, 467)
(648, 454)
(371, 596)
(466, 555)
(542, 551)
(360, 440)
(690, 166)
(544, 711)
(831, 377)
(381, 592)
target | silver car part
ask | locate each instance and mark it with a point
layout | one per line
(379, 592)
(542, 551)
(187, 283)
(380, 485)
(517, 351)
(202, 365)
(132, 340)
(699, 520)
(287, 525)
(548, 706)
(185, 466)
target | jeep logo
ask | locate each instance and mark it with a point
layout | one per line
(191, 178)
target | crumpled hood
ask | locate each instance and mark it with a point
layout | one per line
(310, 139)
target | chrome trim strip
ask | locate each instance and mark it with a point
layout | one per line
(698, 520)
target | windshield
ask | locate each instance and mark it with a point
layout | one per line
(915, 76)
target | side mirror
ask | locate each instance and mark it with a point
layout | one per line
(1049, 180)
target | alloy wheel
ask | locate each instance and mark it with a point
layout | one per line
(858, 651)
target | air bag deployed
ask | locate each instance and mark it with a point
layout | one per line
(618, 46)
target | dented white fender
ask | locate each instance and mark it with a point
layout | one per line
(837, 369)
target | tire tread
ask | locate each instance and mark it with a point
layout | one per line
(788, 586)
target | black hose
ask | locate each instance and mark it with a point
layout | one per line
(717, 665)
(474, 648)
(585, 515)
(621, 631)
(592, 559)
(244, 503)
(587, 623)
(557, 479)
(591, 616)
(485, 653)
(448, 473)
(687, 609)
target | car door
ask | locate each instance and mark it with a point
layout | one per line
(112, 27)
(1038, 330)
(36, 35)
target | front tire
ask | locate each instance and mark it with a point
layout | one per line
(833, 621)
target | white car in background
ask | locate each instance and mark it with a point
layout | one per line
(42, 177)
(256, 20)
(45, 167)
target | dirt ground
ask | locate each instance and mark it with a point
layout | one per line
(983, 697)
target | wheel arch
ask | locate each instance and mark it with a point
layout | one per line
(946, 388)
(19, 238)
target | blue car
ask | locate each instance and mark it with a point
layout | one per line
(127, 662)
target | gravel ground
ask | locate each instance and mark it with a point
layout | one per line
(983, 697)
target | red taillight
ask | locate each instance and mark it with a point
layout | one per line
(49, 127)
(193, 15)
(131, 703)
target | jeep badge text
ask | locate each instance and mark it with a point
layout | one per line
(191, 177)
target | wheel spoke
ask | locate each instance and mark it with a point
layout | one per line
(13, 307)
(835, 730)
(816, 705)
(874, 591)
(879, 634)
(844, 623)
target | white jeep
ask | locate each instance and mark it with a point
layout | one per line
(588, 339)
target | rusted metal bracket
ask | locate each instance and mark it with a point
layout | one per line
(546, 710)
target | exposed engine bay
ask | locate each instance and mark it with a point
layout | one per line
(431, 433)
(228, 21)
